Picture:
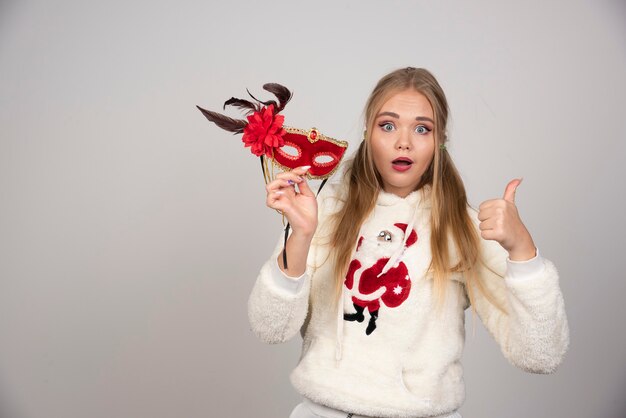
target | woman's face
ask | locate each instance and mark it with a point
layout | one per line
(402, 141)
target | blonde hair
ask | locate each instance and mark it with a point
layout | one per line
(449, 217)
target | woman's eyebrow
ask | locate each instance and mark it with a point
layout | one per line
(419, 118)
(395, 115)
(392, 114)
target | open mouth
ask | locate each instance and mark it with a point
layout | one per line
(402, 164)
(402, 161)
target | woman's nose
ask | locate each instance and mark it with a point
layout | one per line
(403, 141)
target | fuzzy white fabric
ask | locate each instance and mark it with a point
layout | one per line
(308, 409)
(410, 365)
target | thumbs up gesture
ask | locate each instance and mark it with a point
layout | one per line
(500, 221)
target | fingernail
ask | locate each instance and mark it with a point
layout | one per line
(305, 167)
(278, 192)
(291, 182)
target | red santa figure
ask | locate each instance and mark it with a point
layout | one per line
(373, 283)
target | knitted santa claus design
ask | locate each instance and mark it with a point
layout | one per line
(364, 279)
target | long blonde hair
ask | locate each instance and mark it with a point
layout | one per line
(449, 216)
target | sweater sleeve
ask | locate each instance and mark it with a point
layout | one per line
(533, 333)
(278, 304)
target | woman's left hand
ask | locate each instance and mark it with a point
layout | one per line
(500, 222)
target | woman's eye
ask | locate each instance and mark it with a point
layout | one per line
(421, 129)
(387, 126)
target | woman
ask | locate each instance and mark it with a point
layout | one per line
(383, 265)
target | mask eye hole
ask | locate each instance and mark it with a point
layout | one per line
(325, 159)
(384, 236)
(290, 151)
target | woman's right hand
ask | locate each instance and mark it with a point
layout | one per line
(298, 206)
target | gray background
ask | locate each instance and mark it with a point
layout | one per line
(131, 229)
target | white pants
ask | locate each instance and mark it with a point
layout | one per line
(309, 409)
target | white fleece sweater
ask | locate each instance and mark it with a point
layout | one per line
(387, 352)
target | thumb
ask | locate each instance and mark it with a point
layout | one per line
(304, 188)
(509, 192)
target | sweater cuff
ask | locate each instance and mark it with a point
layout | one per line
(287, 283)
(520, 270)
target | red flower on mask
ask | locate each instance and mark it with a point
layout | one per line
(264, 131)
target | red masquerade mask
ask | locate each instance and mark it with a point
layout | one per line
(310, 148)
(286, 147)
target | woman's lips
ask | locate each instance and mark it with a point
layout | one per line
(401, 164)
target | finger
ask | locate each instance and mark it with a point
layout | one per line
(289, 175)
(301, 170)
(277, 200)
(487, 203)
(304, 188)
(284, 184)
(488, 212)
(279, 184)
(484, 214)
(272, 197)
(487, 224)
(489, 234)
(497, 211)
(509, 192)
